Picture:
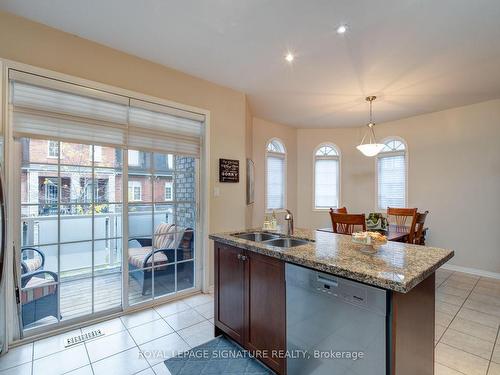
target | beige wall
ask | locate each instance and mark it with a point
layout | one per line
(454, 172)
(249, 155)
(35, 44)
(263, 131)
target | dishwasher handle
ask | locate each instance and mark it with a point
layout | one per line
(326, 281)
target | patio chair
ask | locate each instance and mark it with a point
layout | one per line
(39, 296)
(169, 239)
(32, 264)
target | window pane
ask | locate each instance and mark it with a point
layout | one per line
(139, 285)
(185, 275)
(140, 220)
(107, 256)
(185, 164)
(39, 151)
(107, 185)
(164, 279)
(139, 160)
(107, 221)
(76, 184)
(39, 184)
(275, 182)
(185, 215)
(76, 223)
(75, 154)
(326, 183)
(164, 188)
(107, 291)
(76, 260)
(391, 181)
(39, 225)
(163, 162)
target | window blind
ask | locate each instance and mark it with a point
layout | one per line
(46, 108)
(162, 128)
(391, 175)
(275, 182)
(326, 183)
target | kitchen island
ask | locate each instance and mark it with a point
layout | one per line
(251, 291)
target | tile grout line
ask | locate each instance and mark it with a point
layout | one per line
(493, 351)
(461, 306)
(136, 345)
(88, 356)
(32, 358)
(461, 349)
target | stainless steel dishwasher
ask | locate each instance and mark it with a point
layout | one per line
(334, 325)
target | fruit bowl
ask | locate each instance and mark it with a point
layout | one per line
(371, 241)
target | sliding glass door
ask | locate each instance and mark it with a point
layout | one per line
(162, 193)
(71, 230)
(108, 197)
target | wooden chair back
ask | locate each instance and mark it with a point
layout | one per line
(403, 219)
(339, 210)
(348, 223)
(419, 228)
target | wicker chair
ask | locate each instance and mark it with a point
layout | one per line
(31, 264)
(39, 296)
(171, 243)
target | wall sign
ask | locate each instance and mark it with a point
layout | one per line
(229, 170)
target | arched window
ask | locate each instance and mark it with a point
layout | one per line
(275, 175)
(326, 176)
(391, 174)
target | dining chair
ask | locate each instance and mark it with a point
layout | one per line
(420, 228)
(403, 219)
(348, 223)
(338, 210)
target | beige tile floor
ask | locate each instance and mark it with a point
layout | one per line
(467, 342)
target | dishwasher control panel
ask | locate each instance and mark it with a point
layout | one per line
(352, 292)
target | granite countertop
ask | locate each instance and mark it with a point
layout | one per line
(396, 266)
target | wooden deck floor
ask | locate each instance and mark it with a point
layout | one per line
(76, 295)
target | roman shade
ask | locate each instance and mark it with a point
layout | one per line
(52, 109)
(166, 129)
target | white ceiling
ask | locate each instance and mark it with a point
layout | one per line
(418, 56)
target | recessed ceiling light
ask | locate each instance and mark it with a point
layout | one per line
(289, 57)
(341, 29)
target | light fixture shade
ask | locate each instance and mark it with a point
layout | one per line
(370, 149)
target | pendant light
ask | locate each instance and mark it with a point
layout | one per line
(371, 147)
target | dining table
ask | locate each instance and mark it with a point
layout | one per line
(397, 233)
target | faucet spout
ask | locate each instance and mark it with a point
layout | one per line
(289, 219)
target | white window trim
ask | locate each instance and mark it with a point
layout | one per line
(285, 175)
(170, 185)
(96, 159)
(49, 156)
(406, 154)
(138, 158)
(132, 185)
(339, 187)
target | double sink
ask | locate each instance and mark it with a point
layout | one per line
(271, 239)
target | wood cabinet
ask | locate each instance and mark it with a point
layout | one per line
(250, 302)
(230, 291)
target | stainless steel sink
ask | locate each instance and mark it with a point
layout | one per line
(286, 242)
(256, 236)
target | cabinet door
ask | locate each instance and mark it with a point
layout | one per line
(265, 301)
(229, 285)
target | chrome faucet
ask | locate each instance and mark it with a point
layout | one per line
(289, 218)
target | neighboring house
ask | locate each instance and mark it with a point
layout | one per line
(40, 184)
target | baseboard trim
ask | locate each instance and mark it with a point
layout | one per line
(473, 271)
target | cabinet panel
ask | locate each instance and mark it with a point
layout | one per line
(265, 307)
(229, 291)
